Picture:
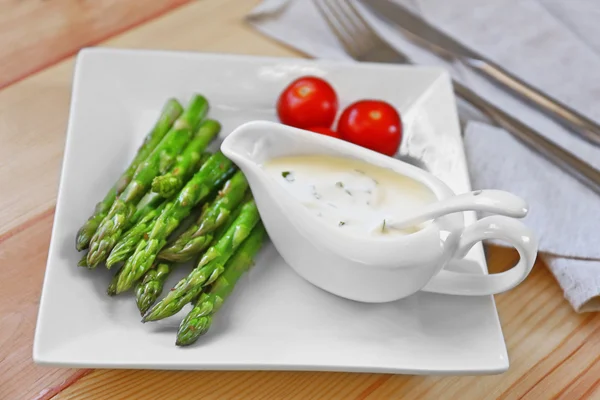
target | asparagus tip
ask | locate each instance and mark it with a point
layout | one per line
(183, 343)
(82, 262)
(123, 282)
(143, 304)
(81, 243)
(191, 329)
(165, 185)
(147, 318)
(153, 314)
(113, 259)
(93, 258)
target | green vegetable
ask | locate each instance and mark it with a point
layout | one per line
(198, 320)
(210, 266)
(119, 216)
(148, 290)
(196, 190)
(127, 243)
(82, 261)
(153, 199)
(198, 236)
(169, 184)
(112, 287)
(170, 112)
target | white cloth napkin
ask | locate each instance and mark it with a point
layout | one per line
(552, 44)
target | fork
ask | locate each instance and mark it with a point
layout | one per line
(362, 43)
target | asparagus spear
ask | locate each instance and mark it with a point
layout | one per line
(151, 285)
(148, 212)
(122, 210)
(146, 205)
(210, 266)
(169, 184)
(127, 243)
(82, 262)
(151, 199)
(148, 290)
(170, 112)
(112, 287)
(199, 319)
(85, 233)
(196, 190)
(198, 236)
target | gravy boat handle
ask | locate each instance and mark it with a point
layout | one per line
(495, 227)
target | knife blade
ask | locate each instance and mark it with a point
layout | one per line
(420, 30)
(424, 34)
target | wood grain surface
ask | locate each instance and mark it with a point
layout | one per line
(37, 33)
(554, 352)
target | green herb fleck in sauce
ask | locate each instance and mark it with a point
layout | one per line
(342, 223)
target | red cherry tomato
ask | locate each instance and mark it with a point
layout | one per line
(307, 102)
(372, 124)
(325, 131)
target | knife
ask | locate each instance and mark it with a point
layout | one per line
(425, 35)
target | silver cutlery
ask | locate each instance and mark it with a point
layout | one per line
(362, 43)
(429, 37)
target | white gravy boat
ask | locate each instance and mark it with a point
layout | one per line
(369, 269)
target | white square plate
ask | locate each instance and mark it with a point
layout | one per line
(274, 320)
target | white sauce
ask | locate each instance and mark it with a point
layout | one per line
(350, 194)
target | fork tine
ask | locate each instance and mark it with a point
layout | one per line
(356, 14)
(361, 32)
(350, 15)
(365, 26)
(337, 27)
(355, 34)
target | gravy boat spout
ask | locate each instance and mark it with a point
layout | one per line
(359, 267)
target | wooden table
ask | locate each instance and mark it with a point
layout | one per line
(554, 352)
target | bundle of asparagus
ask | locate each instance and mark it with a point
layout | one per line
(170, 177)
(120, 215)
(171, 111)
(198, 320)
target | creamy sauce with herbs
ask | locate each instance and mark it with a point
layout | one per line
(350, 194)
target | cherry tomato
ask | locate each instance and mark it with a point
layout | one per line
(325, 131)
(372, 124)
(308, 102)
